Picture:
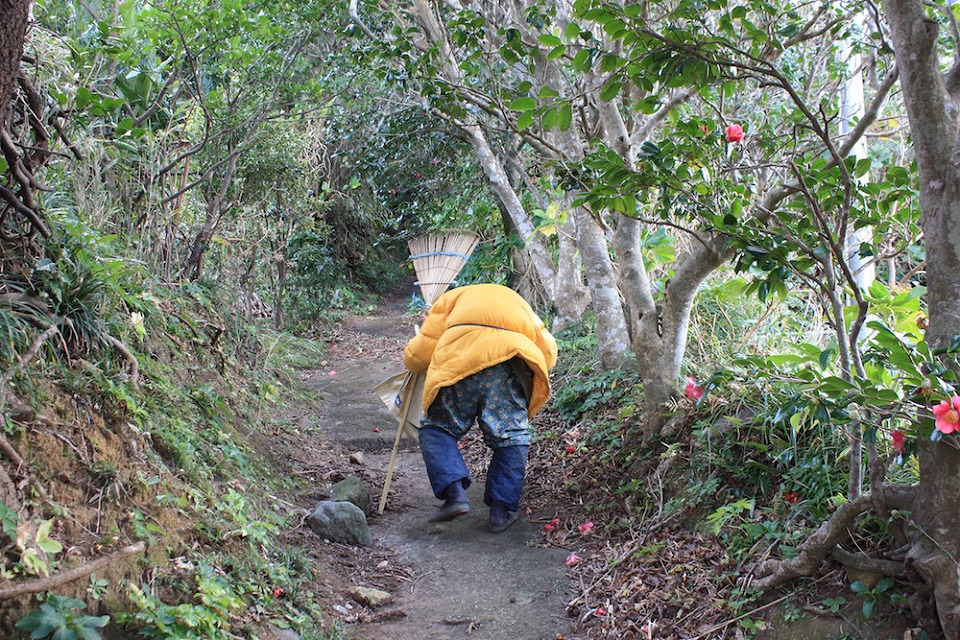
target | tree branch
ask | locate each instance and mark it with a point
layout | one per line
(50, 583)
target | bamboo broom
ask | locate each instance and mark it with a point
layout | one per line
(437, 259)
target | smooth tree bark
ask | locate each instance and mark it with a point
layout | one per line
(570, 292)
(932, 110)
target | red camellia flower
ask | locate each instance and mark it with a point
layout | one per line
(693, 390)
(734, 133)
(570, 448)
(898, 439)
(948, 415)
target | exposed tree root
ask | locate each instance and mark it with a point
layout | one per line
(812, 553)
(50, 583)
(860, 562)
(130, 358)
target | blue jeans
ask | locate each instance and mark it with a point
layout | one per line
(495, 399)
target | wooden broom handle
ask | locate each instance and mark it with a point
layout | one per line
(404, 412)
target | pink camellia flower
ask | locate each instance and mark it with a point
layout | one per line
(573, 559)
(586, 527)
(693, 390)
(897, 438)
(734, 133)
(948, 415)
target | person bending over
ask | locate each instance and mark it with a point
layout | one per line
(487, 357)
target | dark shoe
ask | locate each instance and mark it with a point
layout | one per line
(455, 504)
(500, 518)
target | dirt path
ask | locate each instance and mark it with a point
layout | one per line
(448, 580)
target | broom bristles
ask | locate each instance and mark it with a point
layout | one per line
(438, 258)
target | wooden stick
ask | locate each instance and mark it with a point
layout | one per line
(404, 412)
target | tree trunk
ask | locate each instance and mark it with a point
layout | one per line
(201, 242)
(612, 332)
(500, 183)
(13, 30)
(570, 294)
(934, 128)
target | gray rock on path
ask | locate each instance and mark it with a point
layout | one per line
(370, 597)
(352, 489)
(340, 522)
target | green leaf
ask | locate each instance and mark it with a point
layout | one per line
(609, 62)
(84, 97)
(525, 120)
(549, 119)
(611, 89)
(572, 32)
(565, 118)
(549, 40)
(523, 104)
(556, 52)
(859, 588)
(123, 126)
(581, 61)
(548, 92)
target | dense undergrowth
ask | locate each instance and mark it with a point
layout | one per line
(128, 429)
(747, 468)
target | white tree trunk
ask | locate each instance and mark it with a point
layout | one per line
(570, 294)
(852, 110)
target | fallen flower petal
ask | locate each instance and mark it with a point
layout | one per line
(600, 612)
(332, 373)
(573, 559)
(570, 448)
(376, 429)
(586, 527)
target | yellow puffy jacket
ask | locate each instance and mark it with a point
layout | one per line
(471, 328)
